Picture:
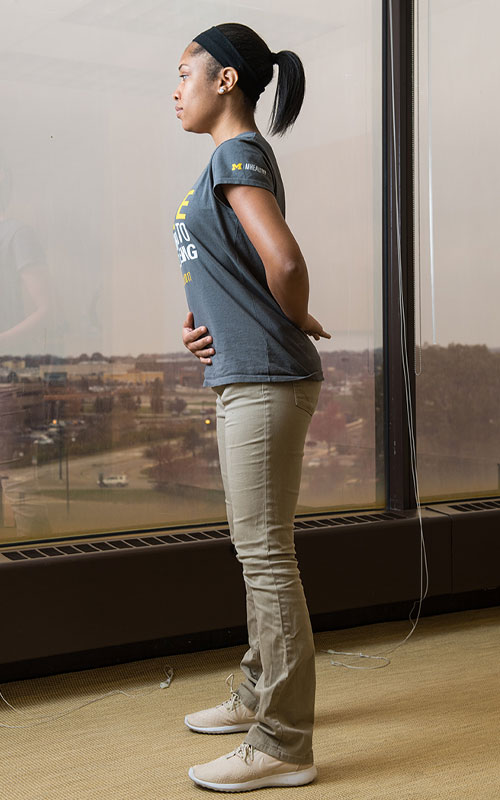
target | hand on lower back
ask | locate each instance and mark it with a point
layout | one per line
(196, 340)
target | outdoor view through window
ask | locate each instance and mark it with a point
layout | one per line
(104, 424)
(457, 281)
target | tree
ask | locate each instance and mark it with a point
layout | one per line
(127, 401)
(328, 425)
(163, 472)
(457, 402)
(177, 405)
(103, 405)
(191, 440)
(157, 397)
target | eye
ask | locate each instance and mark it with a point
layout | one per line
(183, 75)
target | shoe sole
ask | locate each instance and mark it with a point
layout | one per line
(285, 779)
(242, 726)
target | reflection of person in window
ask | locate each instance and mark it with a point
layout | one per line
(24, 317)
(247, 289)
(24, 281)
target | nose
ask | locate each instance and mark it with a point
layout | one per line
(176, 94)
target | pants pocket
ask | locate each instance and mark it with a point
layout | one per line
(306, 394)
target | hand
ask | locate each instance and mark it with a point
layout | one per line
(315, 329)
(199, 347)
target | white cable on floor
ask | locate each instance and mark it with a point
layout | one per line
(46, 718)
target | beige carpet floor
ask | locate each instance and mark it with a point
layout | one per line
(427, 727)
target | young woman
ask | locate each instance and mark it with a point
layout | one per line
(247, 291)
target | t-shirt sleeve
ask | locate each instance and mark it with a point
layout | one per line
(241, 162)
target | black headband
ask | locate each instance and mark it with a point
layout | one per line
(224, 51)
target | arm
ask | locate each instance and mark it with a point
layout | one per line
(286, 271)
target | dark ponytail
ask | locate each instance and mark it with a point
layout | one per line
(289, 92)
(255, 52)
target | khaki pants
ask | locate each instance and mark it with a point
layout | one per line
(261, 431)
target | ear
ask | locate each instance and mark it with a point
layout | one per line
(228, 79)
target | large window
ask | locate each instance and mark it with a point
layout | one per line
(457, 129)
(104, 425)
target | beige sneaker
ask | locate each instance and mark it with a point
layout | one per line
(230, 716)
(247, 768)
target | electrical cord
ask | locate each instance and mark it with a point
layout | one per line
(45, 718)
(423, 556)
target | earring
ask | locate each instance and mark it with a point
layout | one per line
(222, 90)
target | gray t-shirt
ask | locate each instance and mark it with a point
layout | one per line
(225, 279)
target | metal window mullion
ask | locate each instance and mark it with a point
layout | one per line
(398, 186)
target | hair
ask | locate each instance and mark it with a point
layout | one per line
(291, 77)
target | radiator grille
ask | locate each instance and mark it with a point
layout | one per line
(479, 505)
(48, 551)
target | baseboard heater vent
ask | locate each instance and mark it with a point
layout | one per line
(479, 505)
(181, 536)
(321, 522)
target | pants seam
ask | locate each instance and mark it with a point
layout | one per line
(269, 560)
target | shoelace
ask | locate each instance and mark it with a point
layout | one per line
(234, 699)
(243, 751)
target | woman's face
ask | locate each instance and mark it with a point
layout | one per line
(196, 97)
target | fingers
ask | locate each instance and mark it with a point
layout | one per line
(318, 334)
(194, 336)
(201, 352)
(203, 360)
(195, 342)
(190, 334)
(201, 347)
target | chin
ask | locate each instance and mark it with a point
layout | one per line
(193, 127)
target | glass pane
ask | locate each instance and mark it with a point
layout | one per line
(104, 424)
(457, 245)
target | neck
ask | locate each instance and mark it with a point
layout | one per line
(230, 125)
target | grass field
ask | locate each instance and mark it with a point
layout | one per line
(125, 496)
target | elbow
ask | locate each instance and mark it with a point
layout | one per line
(293, 268)
(291, 273)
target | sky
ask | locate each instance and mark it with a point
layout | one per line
(94, 164)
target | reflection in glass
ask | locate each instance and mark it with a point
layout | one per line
(104, 425)
(457, 245)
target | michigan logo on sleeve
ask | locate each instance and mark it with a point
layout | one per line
(252, 167)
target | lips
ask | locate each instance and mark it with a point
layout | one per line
(178, 109)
